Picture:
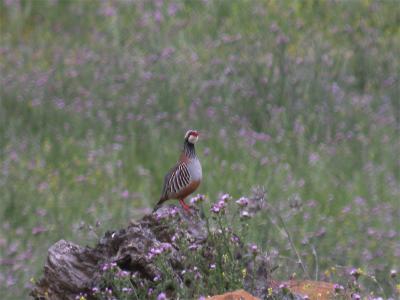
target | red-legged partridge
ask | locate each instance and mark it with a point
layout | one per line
(184, 178)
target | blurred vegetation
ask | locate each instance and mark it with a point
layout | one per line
(301, 98)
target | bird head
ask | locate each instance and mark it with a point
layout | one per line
(191, 136)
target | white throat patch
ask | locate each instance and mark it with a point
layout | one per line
(193, 139)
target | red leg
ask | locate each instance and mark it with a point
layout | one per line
(184, 205)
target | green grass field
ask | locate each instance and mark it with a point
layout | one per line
(300, 98)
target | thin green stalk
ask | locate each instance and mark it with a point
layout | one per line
(314, 252)
(253, 279)
(300, 261)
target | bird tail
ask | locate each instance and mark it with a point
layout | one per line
(155, 208)
(158, 204)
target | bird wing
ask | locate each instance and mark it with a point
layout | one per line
(176, 179)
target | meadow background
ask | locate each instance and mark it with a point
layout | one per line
(300, 98)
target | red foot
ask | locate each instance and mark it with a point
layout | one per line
(184, 205)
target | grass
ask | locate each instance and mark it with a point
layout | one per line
(301, 98)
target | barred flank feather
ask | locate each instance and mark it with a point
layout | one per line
(179, 179)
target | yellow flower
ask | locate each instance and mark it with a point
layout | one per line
(244, 272)
(269, 291)
(360, 271)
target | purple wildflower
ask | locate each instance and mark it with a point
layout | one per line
(38, 229)
(283, 287)
(282, 39)
(108, 11)
(218, 207)
(346, 209)
(355, 296)
(162, 296)
(127, 290)
(359, 201)
(215, 208)
(155, 251)
(235, 239)
(10, 281)
(245, 215)
(313, 158)
(197, 199)
(225, 197)
(167, 52)
(81, 296)
(123, 273)
(242, 202)
(253, 249)
(173, 8)
(355, 273)
(108, 266)
(193, 247)
(158, 16)
(338, 288)
(125, 194)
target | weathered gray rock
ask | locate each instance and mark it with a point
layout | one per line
(71, 269)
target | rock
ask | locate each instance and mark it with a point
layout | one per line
(64, 257)
(71, 269)
(236, 295)
(314, 290)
